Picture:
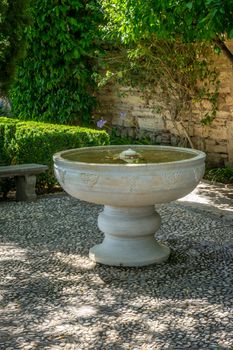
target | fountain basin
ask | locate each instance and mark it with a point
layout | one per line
(129, 192)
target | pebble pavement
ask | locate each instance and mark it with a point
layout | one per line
(53, 297)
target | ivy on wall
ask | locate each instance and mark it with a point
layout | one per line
(14, 18)
(55, 80)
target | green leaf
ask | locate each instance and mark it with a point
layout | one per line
(189, 5)
(76, 53)
(217, 50)
(230, 34)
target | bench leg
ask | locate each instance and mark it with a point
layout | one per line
(25, 188)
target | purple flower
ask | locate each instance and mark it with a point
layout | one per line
(122, 115)
(101, 123)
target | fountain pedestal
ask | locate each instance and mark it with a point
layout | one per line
(129, 237)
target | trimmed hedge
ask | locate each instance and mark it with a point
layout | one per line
(7, 132)
(34, 142)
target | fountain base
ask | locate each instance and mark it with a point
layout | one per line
(129, 237)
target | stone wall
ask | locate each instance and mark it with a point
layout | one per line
(131, 115)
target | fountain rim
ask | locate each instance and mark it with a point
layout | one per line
(198, 156)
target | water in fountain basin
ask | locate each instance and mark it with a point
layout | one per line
(107, 156)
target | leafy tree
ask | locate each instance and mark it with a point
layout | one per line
(185, 20)
(162, 48)
(14, 17)
(56, 79)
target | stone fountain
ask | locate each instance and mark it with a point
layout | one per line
(129, 181)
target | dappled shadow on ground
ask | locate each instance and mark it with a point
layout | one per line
(54, 297)
(207, 195)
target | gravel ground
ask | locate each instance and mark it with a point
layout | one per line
(53, 297)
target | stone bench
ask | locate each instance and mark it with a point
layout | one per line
(25, 176)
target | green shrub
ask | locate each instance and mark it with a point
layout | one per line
(56, 78)
(7, 131)
(222, 175)
(33, 142)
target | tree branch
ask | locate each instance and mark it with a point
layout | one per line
(224, 49)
